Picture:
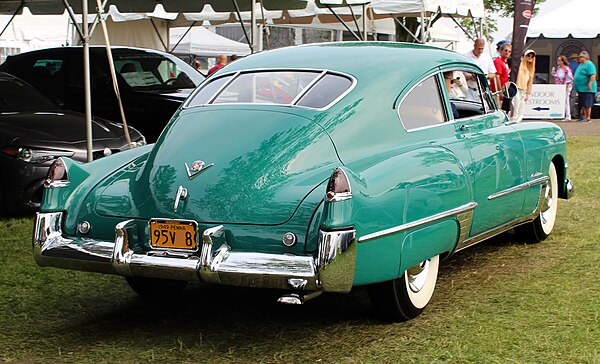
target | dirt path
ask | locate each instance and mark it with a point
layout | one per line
(574, 128)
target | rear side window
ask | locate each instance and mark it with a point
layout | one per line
(422, 106)
(312, 89)
(325, 91)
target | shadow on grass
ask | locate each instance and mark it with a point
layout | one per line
(222, 311)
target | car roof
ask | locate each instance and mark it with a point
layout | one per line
(93, 49)
(356, 58)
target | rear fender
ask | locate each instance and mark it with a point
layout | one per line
(83, 178)
(401, 190)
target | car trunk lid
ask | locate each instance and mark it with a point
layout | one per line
(257, 167)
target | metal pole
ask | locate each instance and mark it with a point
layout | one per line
(422, 27)
(12, 18)
(237, 10)
(253, 25)
(86, 81)
(113, 73)
(364, 16)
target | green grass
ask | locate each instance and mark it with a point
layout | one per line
(498, 302)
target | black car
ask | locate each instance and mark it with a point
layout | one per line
(152, 84)
(34, 131)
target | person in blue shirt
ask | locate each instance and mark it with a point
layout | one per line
(584, 82)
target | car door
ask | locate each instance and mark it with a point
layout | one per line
(498, 157)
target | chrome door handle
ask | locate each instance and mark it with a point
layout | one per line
(464, 127)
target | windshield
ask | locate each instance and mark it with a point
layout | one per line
(154, 71)
(16, 95)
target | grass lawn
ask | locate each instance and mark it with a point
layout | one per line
(498, 302)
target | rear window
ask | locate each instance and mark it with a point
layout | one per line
(311, 89)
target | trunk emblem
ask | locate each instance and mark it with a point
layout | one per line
(197, 168)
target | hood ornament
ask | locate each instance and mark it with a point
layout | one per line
(197, 168)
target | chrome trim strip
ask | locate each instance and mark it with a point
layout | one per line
(500, 229)
(522, 186)
(310, 84)
(466, 208)
(331, 269)
(218, 92)
(236, 74)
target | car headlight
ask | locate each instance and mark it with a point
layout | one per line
(32, 155)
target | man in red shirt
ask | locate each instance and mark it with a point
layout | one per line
(221, 62)
(502, 72)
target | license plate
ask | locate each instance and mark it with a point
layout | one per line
(174, 234)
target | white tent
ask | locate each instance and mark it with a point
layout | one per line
(28, 32)
(202, 42)
(576, 18)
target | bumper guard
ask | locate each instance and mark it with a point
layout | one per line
(331, 270)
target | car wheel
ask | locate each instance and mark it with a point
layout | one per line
(155, 288)
(540, 228)
(406, 297)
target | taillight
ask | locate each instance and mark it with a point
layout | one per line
(338, 187)
(57, 175)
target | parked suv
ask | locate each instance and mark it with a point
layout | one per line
(152, 83)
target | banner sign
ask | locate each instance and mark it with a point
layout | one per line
(523, 13)
(546, 102)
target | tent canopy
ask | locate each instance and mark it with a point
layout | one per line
(202, 42)
(144, 6)
(578, 18)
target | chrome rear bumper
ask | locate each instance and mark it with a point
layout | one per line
(332, 269)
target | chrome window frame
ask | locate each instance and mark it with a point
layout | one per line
(439, 73)
(320, 74)
(433, 74)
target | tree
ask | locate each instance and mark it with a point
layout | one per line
(494, 8)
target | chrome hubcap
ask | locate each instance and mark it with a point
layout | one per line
(417, 275)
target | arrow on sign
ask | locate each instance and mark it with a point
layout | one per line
(541, 108)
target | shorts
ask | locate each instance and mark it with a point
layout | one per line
(586, 99)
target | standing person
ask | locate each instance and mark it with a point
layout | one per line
(502, 73)
(564, 76)
(221, 62)
(573, 64)
(484, 61)
(524, 85)
(585, 84)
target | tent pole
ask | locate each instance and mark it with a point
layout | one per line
(342, 22)
(237, 10)
(86, 80)
(355, 22)
(183, 36)
(253, 25)
(113, 73)
(422, 35)
(165, 47)
(97, 19)
(12, 17)
(73, 19)
(461, 27)
(364, 16)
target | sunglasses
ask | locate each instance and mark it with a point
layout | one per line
(451, 80)
(531, 55)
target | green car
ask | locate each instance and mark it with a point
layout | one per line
(312, 169)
